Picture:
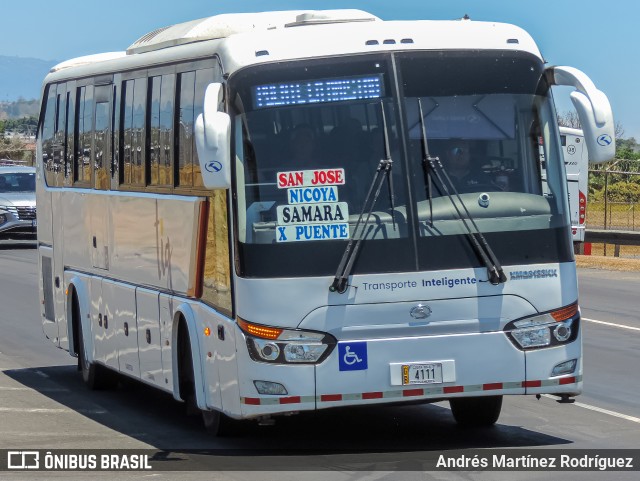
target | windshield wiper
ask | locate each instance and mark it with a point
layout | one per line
(426, 158)
(430, 164)
(383, 170)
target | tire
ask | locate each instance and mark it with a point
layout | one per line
(94, 376)
(217, 423)
(476, 411)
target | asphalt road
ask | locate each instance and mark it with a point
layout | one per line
(44, 405)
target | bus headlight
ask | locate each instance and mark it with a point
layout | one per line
(548, 329)
(286, 346)
(304, 352)
(532, 337)
(267, 350)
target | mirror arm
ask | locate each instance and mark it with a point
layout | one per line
(572, 77)
(594, 111)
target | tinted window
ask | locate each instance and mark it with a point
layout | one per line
(101, 145)
(18, 182)
(133, 127)
(59, 138)
(161, 128)
(192, 89)
(70, 131)
(85, 118)
(185, 135)
(48, 131)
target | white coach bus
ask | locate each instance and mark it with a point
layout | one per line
(277, 212)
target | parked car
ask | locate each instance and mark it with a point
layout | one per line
(17, 202)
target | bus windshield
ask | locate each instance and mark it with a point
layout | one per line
(309, 136)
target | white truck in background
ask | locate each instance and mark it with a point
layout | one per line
(576, 161)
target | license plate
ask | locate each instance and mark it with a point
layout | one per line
(422, 373)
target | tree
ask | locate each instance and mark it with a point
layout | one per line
(569, 119)
(13, 149)
(572, 120)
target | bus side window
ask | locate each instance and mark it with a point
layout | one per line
(82, 171)
(203, 78)
(102, 134)
(70, 133)
(186, 147)
(216, 282)
(48, 131)
(59, 137)
(132, 132)
(161, 116)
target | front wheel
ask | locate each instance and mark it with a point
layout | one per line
(217, 423)
(476, 411)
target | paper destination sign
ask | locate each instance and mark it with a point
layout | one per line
(307, 195)
(309, 232)
(310, 178)
(313, 213)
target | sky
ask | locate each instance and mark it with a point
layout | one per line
(597, 37)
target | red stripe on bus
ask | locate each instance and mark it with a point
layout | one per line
(452, 389)
(567, 380)
(252, 400)
(413, 392)
(372, 395)
(290, 400)
(531, 383)
(492, 386)
(330, 397)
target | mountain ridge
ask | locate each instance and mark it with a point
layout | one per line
(21, 77)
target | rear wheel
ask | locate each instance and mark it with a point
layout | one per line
(476, 411)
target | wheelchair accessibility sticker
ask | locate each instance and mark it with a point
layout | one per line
(353, 356)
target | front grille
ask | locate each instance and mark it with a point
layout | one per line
(21, 212)
(26, 213)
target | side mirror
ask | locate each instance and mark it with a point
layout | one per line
(593, 109)
(212, 132)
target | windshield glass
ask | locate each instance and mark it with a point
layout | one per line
(489, 118)
(17, 182)
(309, 136)
(309, 139)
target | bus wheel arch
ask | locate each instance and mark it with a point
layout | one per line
(95, 376)
(77, 310)
(188, 378)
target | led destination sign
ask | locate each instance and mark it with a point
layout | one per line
(318, 91)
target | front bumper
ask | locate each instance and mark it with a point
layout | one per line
(16, 222)
(483, 364)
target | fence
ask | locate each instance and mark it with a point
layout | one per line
(23, 157)
(614, 196)
(614, 205)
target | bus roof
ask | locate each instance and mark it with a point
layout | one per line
(247, 39)
(225, 25)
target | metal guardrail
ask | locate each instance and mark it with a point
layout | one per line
(616, 237)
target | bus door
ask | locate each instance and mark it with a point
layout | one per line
(101, 155)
